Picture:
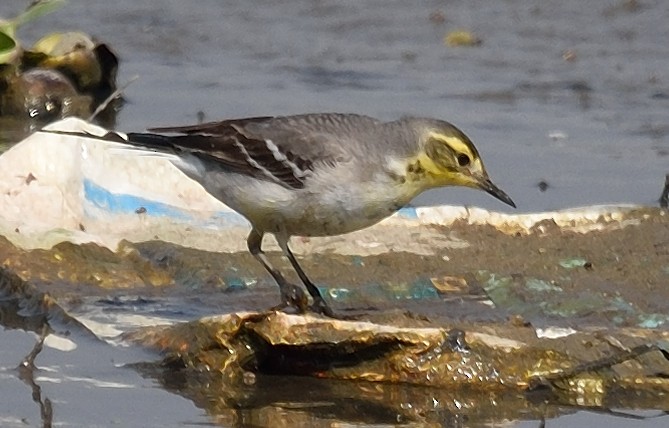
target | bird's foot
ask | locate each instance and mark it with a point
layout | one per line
(294, 297)
(321, 307)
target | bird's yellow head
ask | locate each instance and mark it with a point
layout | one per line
(447, 157)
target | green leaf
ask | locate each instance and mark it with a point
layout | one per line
(8, 48)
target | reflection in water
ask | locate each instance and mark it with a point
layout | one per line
(281, 401)
(23, 307)
(27, 371)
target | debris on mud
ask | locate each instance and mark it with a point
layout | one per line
(61, 75)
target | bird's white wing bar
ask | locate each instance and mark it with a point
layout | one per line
(281, 157)
(257, 165)
(270, 160)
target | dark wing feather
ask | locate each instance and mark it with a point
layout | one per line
(285, 150)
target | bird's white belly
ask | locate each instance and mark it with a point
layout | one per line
(333, 210)
(324, 216)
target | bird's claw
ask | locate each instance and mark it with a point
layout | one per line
(321, 307)
(294, 297)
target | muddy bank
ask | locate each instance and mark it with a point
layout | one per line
(624, 268)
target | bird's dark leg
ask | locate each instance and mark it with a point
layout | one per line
(291, 295)
(320, 305)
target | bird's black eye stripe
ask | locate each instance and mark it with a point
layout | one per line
(463, 159)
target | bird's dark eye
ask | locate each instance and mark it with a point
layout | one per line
(463, 159)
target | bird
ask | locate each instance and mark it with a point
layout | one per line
(318, 174)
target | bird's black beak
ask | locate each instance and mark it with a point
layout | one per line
(489, 187)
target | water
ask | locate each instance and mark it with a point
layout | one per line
(595, 128)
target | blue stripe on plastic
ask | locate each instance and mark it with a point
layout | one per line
(408, 212)
(123, 204)
(118, 203)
